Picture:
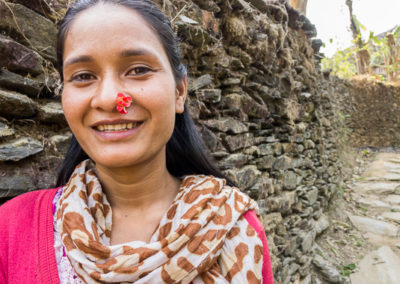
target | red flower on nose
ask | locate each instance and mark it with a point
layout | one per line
(123, 102)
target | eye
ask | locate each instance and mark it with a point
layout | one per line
(82, 77)
(139, 70)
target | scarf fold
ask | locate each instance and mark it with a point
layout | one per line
(202, 238)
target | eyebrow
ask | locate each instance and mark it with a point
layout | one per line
(124, 53)
(78, 59)
(136, 52)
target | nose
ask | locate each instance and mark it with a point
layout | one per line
(105, 96)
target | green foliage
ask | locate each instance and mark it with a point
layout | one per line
(346, 270)
(342, 64)
(384, 59)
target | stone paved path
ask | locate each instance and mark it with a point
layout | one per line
(378, 191)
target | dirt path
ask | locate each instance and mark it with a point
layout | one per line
(363, 241)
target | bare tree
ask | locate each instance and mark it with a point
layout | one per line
(300, 5)
(363, 57)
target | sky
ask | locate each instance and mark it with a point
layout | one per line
(332, 20)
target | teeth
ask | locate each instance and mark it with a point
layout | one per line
(116, 127)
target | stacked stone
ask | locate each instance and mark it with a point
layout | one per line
(264, 109)
(266, 114)
(373, 113)
(30, 120)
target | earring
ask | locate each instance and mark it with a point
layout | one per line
(123, 101)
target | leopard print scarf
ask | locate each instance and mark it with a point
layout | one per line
(202, 238)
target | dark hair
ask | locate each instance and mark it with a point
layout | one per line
(185, 152)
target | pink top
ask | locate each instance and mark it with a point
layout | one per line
(27, 240)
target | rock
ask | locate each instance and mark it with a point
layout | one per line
(306, 280)
(392, 216)
(234, 161)
(13, 104)
(261, 5)
(289, 180)
(309, 144)
(30, 28)
(44, 7)
(52, 112)
(328, 271)
(281, 203)
(365, 224)
(13, 185)
(293, 268)
(270, 221)
(307, 240)
(230, 81)
(209, 95)
(247, 176)
(311, 196)
(5, 131)
(373, 202)
(254, 109)
(235, 30)
(25, 85)
(18, 58)
(282, 163)
(321, 224)
(391, 177)
(236, 142)
(19, 149)
(305, 95)
(316, 44)
(228, 125)
(208, 5)
(264, 163)
(194, 34)
(393, 199)
(266, 149)
(383, 188)
(211, 140)
(378, 267)
(61, 142)
(325, 122)
(200, 82)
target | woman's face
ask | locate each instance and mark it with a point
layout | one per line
(111, 49)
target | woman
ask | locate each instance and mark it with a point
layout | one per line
(138, 202)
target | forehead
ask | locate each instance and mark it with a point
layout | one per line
(109, 27)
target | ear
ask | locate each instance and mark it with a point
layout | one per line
(181, 94)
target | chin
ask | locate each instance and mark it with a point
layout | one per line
(117, 162)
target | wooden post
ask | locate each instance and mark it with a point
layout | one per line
(391, 61)
(300, 5)
(363, 57)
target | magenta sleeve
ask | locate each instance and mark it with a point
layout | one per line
(253, 220)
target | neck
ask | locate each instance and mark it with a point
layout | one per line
(138, 187)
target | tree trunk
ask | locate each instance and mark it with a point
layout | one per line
(363, 57)
(392, 59)
(300, 5)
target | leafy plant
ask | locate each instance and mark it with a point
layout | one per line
(346, 270)
(384, 52)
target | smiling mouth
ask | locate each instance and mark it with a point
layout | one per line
(117, 127)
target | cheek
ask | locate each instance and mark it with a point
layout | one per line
(72, 107)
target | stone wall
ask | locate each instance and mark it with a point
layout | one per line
(373, 113)
(264, 109)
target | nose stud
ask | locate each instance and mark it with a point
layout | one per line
(123, 101)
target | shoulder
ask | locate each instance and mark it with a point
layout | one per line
(20, 221)
(26, 202)
(215, 187)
